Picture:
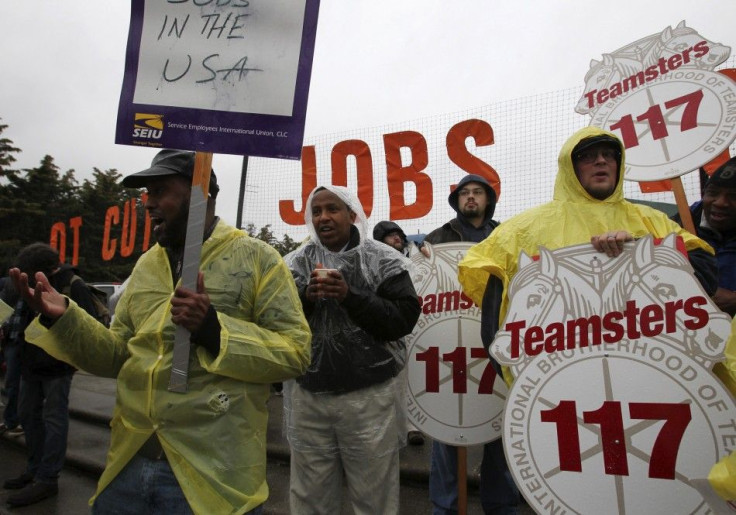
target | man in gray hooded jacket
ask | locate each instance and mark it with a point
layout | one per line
(474, 202)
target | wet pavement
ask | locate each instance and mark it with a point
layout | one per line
(91, 405)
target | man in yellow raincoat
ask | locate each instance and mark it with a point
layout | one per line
(588, 206)
(203, 451)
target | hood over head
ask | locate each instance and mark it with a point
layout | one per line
(453, 201)
(384, 228)
(571, 218)
(567, 185)
(350, 199)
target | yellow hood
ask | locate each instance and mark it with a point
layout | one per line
(571, 218)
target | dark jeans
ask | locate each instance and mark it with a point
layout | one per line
(43, 406)
(498, 492)
(145, 486)
(12, 384)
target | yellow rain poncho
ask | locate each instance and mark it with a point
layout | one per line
(214, 435)
(571, 218)
(5, 311)
(722, 476)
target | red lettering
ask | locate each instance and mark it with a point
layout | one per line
(430, 304)
(397, 175)
(686, 55)
(701, 49)
(590, 96)
(691, 309)
(146, 225)
(650, 319)
(109, 245)
(457, 151)
(465, 301)
(556, 337)
(448, 301)
(287, 209)
(444, 302)
(363, 167)
(515, 329)
(651, 73)
(533, 335)
(74, 224)
(127, 241)
(58, 239)
(674, 62)
(670, 315)
(582, 327)
(610, 323)
(631, 313)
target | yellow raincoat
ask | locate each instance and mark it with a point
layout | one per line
(722, 476)
(214, 435)
(571, 218)
(5, 311)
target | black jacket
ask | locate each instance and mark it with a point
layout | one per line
(35, 362)
(459, 229)
(358, 342)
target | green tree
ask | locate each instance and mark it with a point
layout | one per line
(6, 153)
(265, 234)
(33, 200)
(97, 197)
(30, 203)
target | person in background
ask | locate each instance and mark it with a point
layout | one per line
(392, 235)
(346, 414)
(714, 218)
(45, 382)
(10, 347)
(474, 201)
(203, 450)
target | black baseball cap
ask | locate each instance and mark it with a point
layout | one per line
(603, 139)
(725, 175)
(169, 162)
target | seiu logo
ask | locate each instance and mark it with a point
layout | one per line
(149, 126)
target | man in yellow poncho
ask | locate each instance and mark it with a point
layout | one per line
(588, 205)
(202, 451)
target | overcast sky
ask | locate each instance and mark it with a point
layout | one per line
(376, 62)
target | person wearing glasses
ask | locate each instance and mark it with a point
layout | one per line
(588, 206)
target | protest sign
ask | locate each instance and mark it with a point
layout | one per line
(455, 395)
(614, 408)
(222, 76)
(662, 97)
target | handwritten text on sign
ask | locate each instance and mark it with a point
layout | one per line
(230, 55)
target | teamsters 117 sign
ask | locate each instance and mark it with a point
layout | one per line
(663, 98)
(614, 408)
(220, 76)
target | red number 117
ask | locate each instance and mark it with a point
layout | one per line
(613, 440)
